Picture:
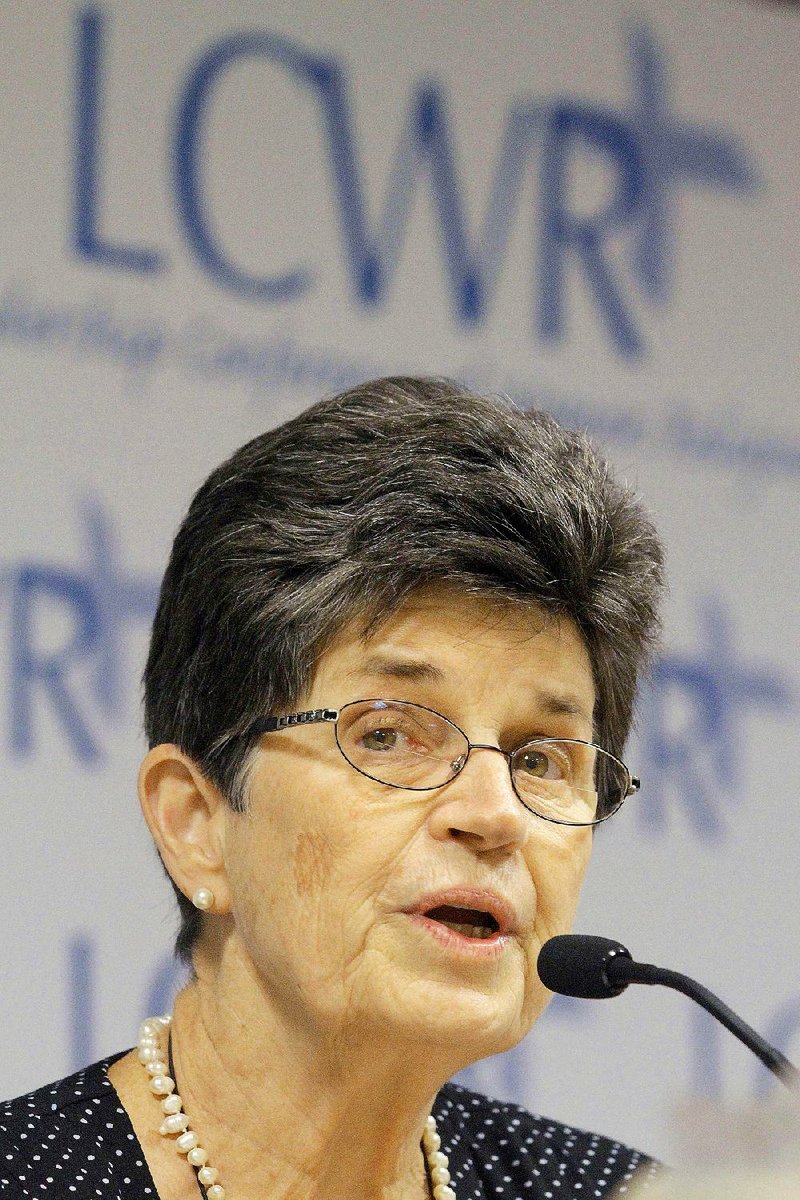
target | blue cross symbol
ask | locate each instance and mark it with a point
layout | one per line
(693, 740)
(82, 678)
(671, 152)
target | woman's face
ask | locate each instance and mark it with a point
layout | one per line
(331, 872)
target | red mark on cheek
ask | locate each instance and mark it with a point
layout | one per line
(312, 863)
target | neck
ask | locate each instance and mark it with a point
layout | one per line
(291, 1112)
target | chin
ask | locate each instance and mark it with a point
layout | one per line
(465, 1022)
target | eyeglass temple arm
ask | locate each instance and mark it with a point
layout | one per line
(312, 717)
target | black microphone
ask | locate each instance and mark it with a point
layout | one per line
(595, 968)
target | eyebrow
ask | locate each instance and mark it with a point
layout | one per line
(559, 706)
(419, 671)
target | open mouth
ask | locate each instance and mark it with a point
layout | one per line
(469, 922)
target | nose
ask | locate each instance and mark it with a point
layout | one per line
(479, 807)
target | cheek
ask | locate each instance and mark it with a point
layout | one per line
(285, 908)
(558, 864)
(557, 861)
(312, 861)
(310, 864)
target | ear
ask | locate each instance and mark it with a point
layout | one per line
(186, 816)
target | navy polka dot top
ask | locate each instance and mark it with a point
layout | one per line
(74, 1140)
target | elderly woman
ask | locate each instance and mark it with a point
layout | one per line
(391, 676)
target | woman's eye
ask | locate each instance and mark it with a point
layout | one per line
(534, 762)
(543, 765)
(381, 739)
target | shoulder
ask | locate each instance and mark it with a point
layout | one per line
(506, 1152)
(71, 1137)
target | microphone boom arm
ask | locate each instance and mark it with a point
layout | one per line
(623, 970)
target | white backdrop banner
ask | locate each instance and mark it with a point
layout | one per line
(213, 214)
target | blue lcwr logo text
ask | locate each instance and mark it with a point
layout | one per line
(647, 154)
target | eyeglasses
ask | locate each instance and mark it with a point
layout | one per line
(563, 780)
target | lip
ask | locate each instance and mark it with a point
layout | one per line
(501, 909)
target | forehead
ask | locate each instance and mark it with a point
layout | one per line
(450, 641)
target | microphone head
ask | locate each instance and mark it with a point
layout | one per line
(577, 964)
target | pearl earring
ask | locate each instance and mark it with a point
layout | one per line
(203, 899)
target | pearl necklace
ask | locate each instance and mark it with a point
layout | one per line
(176, 1122)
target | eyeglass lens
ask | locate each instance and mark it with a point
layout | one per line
(408, 746)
